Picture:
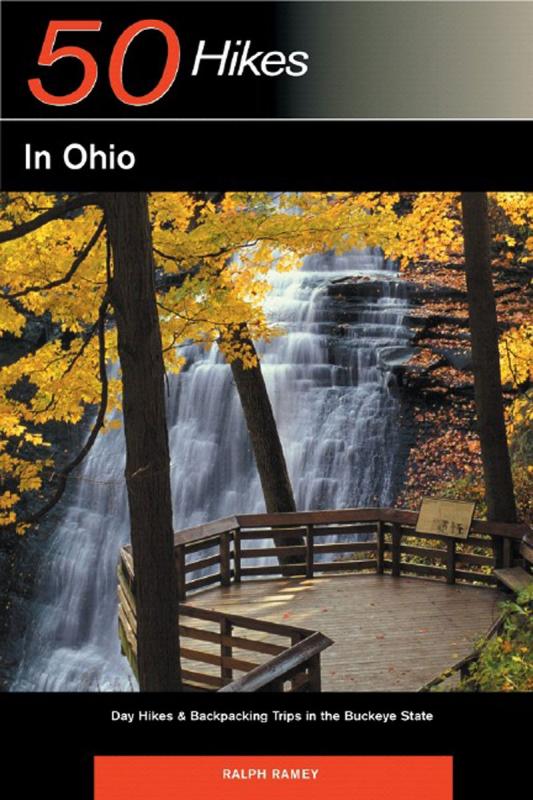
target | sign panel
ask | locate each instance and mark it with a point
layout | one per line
(445, 517)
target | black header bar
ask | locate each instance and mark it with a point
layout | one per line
(173, 156)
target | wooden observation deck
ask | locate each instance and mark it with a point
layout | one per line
(391, 608)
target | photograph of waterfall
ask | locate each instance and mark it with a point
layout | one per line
(239, 401)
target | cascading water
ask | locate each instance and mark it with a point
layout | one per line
(331, 384)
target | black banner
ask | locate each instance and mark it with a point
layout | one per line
(63, 733)
(274, 156)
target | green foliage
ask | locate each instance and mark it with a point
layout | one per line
(467, 487)
(505, 663)
(470, 487)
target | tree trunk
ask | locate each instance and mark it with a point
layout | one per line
(486, 359)
(266, 444)
(147, 455)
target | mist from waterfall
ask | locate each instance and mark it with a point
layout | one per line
(330, 380)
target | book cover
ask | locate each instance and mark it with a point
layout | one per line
(265, 397)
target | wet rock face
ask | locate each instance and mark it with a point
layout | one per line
(372, 309)
(362, 287)
(395, 357)
(456, 358)
(350, 301)
(431, 367)
(357, 288)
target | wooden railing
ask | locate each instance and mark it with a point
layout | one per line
(461, 668)
(226, 551)
(297, 669)
(214, 646)
(278, 665)
(512, 578)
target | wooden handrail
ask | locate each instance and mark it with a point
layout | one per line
(398, 516)
(340, 516)
(394, 548)
(281, 666)
(206, 531)
(227, 561)
(303, 674)
(239, 621)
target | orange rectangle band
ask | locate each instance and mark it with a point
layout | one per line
(273, 777)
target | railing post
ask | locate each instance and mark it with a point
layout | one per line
(180, 570)
(497, 546)
(237, 555)
(295, 639)
(225, 564)
(226, 650)
(507, 553)
(450, 561)
(310, 551)
(315, 679)
(380, 548)
(396, 541)
(464, 670)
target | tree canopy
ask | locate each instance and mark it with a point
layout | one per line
(212, 255)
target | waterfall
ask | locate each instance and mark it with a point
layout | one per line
(330, 380)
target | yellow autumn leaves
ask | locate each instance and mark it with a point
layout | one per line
(516, 364)
(212, 258)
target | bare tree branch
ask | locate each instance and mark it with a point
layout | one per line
(56, 212)
(86, 340)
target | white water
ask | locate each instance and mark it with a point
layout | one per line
(332, 391)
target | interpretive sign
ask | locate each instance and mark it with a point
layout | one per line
(445, 517)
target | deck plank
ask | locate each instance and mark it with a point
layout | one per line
(390, 634)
